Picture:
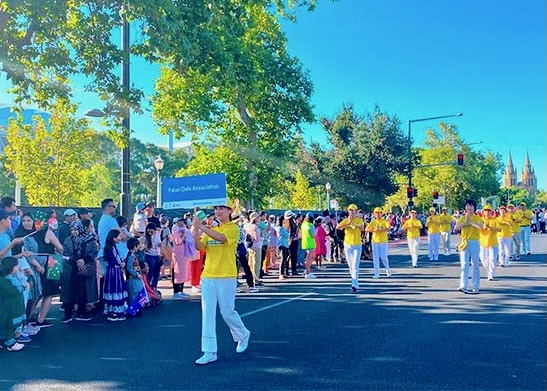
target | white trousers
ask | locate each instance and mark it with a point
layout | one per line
(445, 237)
(221, 291)
(516, 244)
(379, 251)
(505, 250)
(353, 258)
(413, 247)
(525, 238)
(471, 253)
(489, 257)
(433, 246)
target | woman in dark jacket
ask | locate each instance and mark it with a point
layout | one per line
(80, 253)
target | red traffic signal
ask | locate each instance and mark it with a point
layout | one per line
(460, 159)
(410, 192)
(435, 195)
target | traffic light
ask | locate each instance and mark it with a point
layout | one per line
(435, 195)
(460, 159)
(410, 192)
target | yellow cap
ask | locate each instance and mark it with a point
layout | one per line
(378, 210)
(503, 207)
(432, 209)
(510, 205)
(522, 204)
(352, 207)
(412, 211)
(487, 207)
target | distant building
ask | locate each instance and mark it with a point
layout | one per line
(528, 178)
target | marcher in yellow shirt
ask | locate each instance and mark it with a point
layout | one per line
(353, 227)
(470, 225)
(219, 283)
(433, 225)
(516, 218)
(489, 241)
(446, 227)
(412, 227)
(379, 228)
(505, 237)
(525, 222)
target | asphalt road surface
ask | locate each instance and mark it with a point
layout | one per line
(412, 331)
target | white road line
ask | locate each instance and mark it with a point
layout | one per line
(274, 305)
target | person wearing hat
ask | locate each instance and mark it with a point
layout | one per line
(308, 243)
(505, 237)
(433, 234)
(353, 228)
(379, 227)
(445, 221)
(526, 218)
(470, 225)
(489, 241)
(515, 229)
(255, 251)
(69, 215)
(138, 225)
(84, 214)
(219, 283)
(412, 228)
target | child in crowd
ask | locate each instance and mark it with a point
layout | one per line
(153, 294)
(133, 270)
(12, 304)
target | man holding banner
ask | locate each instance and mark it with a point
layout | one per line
(219, 283)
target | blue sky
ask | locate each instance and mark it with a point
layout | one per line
(417, 59)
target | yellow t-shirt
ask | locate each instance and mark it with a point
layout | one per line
(412, 226)
(468, 231)
(517, 218)
(378, 236)
(446, 222)
(504, 223)
(221, 257)
(489, 237)
(352, 236)
(526, 218)
(433, 225)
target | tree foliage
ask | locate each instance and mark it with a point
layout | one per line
(302, 194)
(365, 155)
(47, 159)
(437, 171)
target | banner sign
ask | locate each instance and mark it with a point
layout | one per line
(194, 191)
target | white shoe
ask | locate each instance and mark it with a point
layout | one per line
(388, 273)
(281, 277)
(15, 347)
(447, 253)
(375, 277)
(253, 289)
(180, 296)
(207, 358)
(242, 344)
(310, 275)
(31, 330)
(195, 289)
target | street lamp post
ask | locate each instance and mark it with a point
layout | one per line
(410, 122)
(328, 187)
(159, 166)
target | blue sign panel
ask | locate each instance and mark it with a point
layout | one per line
(194, 191)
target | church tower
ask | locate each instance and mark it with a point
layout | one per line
(529, 180)
(510, 176)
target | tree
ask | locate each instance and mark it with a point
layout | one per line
(301, 194)
(366, 154)
(479, 177)
(47, 160)
(49, 42)
(244, 91)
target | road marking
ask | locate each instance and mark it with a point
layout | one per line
(274, 305)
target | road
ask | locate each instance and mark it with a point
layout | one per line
(413, 331)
